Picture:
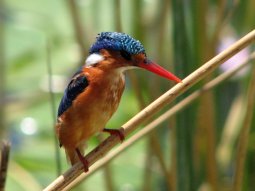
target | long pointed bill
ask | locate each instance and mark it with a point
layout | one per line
(155, 68)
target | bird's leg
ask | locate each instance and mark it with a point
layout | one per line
(119, 132)
(83, 160)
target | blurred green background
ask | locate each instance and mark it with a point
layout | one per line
(179, 35)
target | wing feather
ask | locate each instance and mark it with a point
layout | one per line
(76, 86)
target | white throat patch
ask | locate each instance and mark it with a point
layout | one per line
(93, 59)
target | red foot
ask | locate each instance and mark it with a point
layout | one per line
(83, 160)
(118, 132)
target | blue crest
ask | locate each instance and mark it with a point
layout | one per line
(117, 41)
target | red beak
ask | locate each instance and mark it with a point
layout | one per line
(155, 68)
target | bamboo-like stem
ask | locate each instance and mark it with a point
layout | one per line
(151, 126)
(147, 175)
(230, 134)
(53, 104)
(62, 181)
(249, 14)
(244, 136)
(184, 64)
(159, 154)
(22, 177)
(4, 160)
(79, 32)
(2, 71)
(117, 15)
(173, 150)
(222, 19)
(219, 23)
(108, 176)
(205, 134)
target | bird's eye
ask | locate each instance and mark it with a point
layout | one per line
(125, 54)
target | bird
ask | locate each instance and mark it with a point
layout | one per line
(94, 92)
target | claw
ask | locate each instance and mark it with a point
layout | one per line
(118, 132)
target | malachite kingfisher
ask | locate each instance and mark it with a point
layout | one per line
(95, 90)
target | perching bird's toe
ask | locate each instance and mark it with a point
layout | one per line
(118, 132)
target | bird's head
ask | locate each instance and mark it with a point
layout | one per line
(119, 50)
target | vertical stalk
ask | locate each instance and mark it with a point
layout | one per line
(205, 133)
(159, 154)
(78, 28)
(107, 170)
(249, 15)
(147, 170)
(137, 19)
(117, 15)
(4, 160)
(53, 106)
(221, 7)
(173, 170)
(108, 176)
(244, 136)
(182, 59)
(2, 73)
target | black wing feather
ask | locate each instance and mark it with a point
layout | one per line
(74, 88)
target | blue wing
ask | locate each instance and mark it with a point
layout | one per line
(74, 88)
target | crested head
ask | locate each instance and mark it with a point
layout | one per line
(118, 42)
(124, 52)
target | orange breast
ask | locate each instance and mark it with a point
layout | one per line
(92, 109)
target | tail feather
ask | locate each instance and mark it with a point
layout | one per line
(71, 154)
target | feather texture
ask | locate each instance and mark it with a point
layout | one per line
(74, 88)
(86, 111)
(117, 41)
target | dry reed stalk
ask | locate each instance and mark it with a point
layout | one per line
(107, 170)
(53, 104)
(62, 181)
(244, 136)
(223, 19)
(3, 63)
(151, 126)
(153, 142)
(77, 24)
(159, 154)
(108, 178)
(117, 15)
(23, 177)
(204, 135)
(4, 160)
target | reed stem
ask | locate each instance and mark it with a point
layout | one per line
(244, 136)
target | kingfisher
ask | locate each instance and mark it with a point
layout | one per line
(94, 92)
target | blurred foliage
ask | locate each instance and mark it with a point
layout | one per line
(180, 35)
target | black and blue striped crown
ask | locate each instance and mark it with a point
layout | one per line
(117, 41)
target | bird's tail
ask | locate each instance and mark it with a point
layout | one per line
(71, 156)
(71, 153)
